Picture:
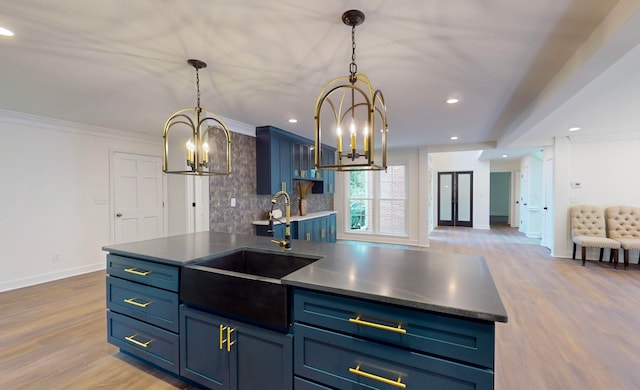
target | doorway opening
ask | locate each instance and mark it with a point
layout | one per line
(500, 198)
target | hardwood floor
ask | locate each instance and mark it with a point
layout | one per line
(570, 327)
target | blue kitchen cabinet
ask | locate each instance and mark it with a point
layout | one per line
(328, 175)
(322, 229)
(331, 228)
(304, 229)
(142, 315)
(278, 230)
(350, 343)
(274, 160)
(221, 353)
(282, 157)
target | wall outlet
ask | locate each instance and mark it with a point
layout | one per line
(55, 258)
(233, 202)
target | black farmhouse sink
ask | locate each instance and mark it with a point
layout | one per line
(244, 283)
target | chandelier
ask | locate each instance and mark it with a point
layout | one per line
(350, 103)
(200, 143)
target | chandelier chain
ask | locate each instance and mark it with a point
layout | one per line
(198, 87)
(353, 67)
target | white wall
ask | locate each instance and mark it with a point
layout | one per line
(608, 171)
(468, 161)
(54, 202)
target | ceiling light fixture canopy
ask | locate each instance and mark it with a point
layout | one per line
(350, 103)
(200, 140)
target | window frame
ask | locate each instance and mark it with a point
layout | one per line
(375, 199)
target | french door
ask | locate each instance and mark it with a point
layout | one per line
(455, 199)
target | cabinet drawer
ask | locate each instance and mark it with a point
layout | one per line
(148, 342)
(148, 304)
(342, 361)
(451, 337)
(303, 384)
(147, 272)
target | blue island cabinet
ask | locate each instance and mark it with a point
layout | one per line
(220, 353)
(346, 343)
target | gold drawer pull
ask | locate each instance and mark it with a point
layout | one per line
(229, 342)
(136, 342)
(228, 338)
(397, 383)
(308, 236)
(222, 340)
(322, 234)
(132, 301)
(136, 272)
(358, 321)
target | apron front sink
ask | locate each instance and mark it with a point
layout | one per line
(245, 283)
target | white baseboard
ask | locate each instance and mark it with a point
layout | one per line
(43, 278)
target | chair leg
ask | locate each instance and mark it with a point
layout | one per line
(601, 254)
(614, 253)
(584, 255)
(626, 258)
(574, 251)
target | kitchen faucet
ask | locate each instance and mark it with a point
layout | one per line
(286, 243)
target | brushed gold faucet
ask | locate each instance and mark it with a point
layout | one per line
(286, 243)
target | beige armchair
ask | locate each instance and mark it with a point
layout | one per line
(588, 229)
(623, 224)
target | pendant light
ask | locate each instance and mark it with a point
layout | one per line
(351, 115)
(196, 141)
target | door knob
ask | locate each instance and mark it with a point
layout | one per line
(119, 215)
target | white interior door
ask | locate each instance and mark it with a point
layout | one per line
(137, 197)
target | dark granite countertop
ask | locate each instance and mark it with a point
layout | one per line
(459, 285)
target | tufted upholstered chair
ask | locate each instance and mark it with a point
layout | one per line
(588, 229)
(623, 223)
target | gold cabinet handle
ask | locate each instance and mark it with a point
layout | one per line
(132, 339)
(308, 236)
(136, 272)
(397, 383)
(222, 339)
(132, 301)
(330, 187)
(358, 321)
(333, 229)
(229, 342)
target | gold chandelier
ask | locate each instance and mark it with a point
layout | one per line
(207, 149)
(352, 101)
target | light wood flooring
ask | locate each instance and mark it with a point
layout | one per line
(570, 327)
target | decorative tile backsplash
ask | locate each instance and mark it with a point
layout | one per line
(241, 185)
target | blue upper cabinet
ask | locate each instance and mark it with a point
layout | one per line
(328, 175)
(274, 160)
(282, 157)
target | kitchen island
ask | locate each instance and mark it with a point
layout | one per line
(361, 315)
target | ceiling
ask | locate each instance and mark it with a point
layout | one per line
(524, 71)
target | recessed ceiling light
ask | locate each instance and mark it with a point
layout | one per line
(293, 120)
(452, 101)
(5, 32)
(453, 138)
(504, 156)
(574, 129)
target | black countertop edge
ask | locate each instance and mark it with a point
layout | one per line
(459, 312)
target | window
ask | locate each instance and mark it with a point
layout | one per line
(377, 201)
